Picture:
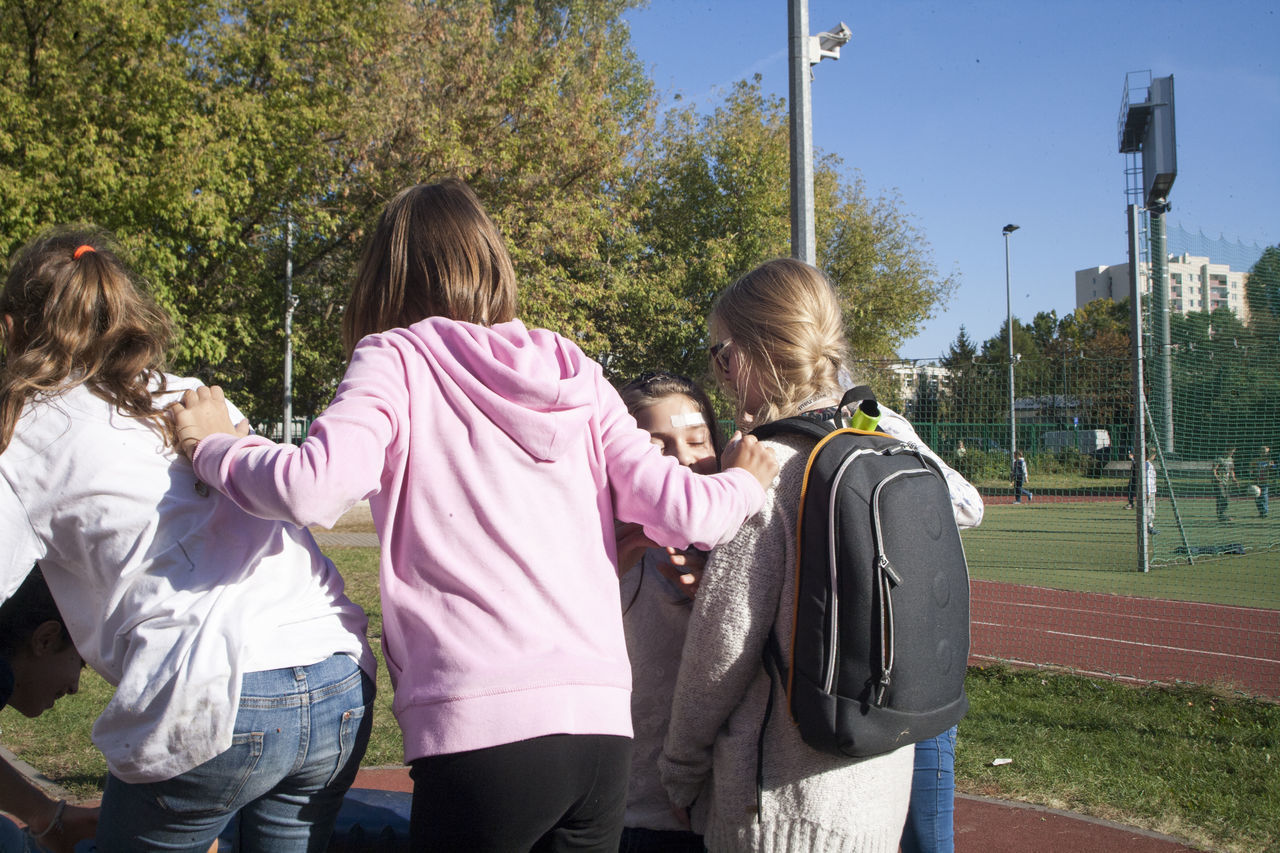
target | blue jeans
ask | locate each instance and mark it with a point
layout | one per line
(299, 736)
(931, 816)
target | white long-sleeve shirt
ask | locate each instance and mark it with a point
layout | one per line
(169, 590)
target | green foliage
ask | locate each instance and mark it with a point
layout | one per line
(713, 196)
(197, 132)
(1262, 292)
(979, 465)
(1080, 362)
(1226, 384)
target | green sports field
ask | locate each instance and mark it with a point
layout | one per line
(1090, 544)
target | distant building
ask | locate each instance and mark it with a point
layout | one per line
(1195, 284)
(911, 375)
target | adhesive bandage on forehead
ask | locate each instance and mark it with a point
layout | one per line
(687, 419)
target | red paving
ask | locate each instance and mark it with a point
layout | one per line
(1136, 638)
(983, 825)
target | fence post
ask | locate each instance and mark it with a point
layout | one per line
(1139, 433)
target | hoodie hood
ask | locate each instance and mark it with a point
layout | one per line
(534, 385)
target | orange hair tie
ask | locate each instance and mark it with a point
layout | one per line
(80, 251)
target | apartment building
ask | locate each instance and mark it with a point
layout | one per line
(1195, 284)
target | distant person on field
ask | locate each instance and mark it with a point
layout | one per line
(1151, 492)
(38, 666)
(960, 451)
(1224, 475)
(1266, 466)
(1020, 478)
(1132, 491)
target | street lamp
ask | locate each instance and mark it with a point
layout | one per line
(804, 51)
(1008, 302)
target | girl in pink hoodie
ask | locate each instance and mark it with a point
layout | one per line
(495, 459)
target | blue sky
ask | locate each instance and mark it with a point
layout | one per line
(980, 114)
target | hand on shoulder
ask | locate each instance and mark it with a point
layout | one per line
(746, 452)
(199, 414)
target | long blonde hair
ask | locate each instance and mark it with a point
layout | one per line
(784, 320)
(73, 316)
(434, 253)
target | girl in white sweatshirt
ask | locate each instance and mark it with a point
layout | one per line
(242, 675)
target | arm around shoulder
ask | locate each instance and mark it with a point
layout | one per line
(339, 463)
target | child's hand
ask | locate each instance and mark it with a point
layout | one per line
(684, 569)
(632, 543)
(746, 452)
(201, 413)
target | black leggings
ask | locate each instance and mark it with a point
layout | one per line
(553, 793)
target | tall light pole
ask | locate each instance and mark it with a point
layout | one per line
(289, 304)
(1008, 302)
(805, 51)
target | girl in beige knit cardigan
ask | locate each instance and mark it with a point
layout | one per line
(778, 348)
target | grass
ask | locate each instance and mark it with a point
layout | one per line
(1079, 545)
(1180, 760)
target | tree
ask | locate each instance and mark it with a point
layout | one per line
(965, 398)
(196, 131)
(1262, 291)
(713, 192)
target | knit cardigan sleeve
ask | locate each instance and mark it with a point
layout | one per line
(737, 604)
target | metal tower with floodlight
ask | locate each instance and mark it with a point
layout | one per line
(1147, 139)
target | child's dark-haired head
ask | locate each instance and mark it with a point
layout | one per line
(36, 646)
(73, 314)
(652, 386)
(28, 608)
(434, 253)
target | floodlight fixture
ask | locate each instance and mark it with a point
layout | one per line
(1008, 229)
(827, 45)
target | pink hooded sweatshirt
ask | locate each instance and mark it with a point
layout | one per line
(495, 460)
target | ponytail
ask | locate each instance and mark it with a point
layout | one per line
(74, 316)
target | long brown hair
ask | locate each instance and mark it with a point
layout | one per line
(73, 315)
(434, 253)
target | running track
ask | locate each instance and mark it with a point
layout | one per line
(1140, 639)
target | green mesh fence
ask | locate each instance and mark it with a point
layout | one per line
(1074, 423)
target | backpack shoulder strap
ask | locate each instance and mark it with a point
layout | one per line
(816, 426)
(794, 426)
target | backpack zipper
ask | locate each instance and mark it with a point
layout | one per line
(886, 578)
(833, 612)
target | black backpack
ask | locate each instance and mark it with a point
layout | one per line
(880, 643)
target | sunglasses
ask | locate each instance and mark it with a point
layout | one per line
(719, 356)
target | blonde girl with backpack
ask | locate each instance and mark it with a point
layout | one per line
(778, 348)
(243, 681)
(495, 459)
